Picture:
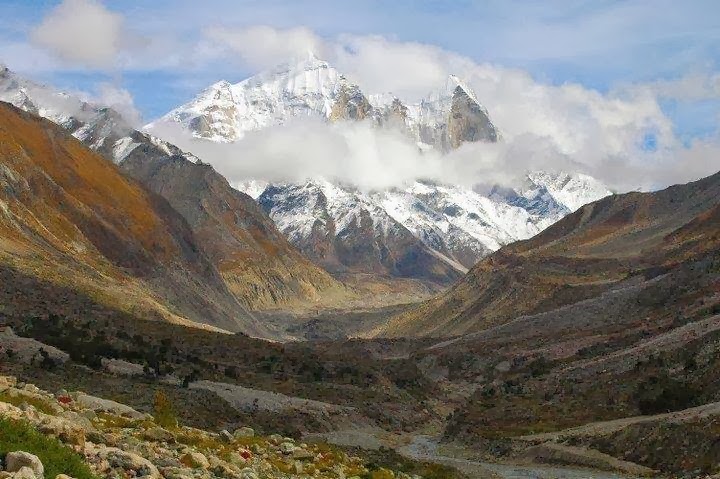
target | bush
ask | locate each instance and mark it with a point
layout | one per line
(661, 394)
(163, 411)
(56, 457)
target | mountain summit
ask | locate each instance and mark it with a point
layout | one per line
(425, 231)
(224, 112)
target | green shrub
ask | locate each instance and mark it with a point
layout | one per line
(55, 456)
(163, 411)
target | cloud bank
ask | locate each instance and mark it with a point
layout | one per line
(82, 32)
(621, 137)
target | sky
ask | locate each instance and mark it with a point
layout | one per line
(605, 81)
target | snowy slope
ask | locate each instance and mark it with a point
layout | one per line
(346, 230)
(457, 225)
(224, 112)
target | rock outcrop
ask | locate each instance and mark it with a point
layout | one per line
(115, 442)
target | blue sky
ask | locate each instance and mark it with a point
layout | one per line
(598, 44)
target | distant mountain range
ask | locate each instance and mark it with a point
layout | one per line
(426, 230)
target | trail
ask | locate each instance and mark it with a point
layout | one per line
(426, 449)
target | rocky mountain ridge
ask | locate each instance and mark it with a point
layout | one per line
(256, 262)
(224, 112)
(598, 248)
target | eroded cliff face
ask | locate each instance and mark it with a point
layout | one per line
(350, 104)
(468, 121)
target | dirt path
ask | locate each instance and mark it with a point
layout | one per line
(426, 449)
(604, 428)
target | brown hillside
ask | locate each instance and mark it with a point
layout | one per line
(578, 258)
(68, 215)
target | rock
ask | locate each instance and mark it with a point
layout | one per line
(195, 459)
(66, 430)
(236, 459)
(5, 475)
(63, 476)
(35, 397)
(244, 432)
(226, 436)
(129, 461)
(89, 414)
(78, 419)
(302, 454)
(468, 121)
(7, 382)
(287, 448)
(25, 473)
(275, 439)
(105, 405)
(248, 473)
(14, 461)
(10, 411)
(158, 434)
(31, 388)
(221, 468)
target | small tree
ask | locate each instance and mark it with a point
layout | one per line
(163, 411)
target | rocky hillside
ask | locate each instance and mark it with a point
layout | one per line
(589, 253)
(72, 218)
(56, 435)
(255, 261)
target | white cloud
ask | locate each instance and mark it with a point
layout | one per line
(81, 32)
(543, 126)
(263, 46)
(355, 153)
(120, 100)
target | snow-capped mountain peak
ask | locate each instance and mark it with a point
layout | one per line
(312, 87)
(343, 228)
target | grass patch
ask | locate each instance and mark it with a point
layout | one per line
(106, 421)
(56, 457)
(18, 399)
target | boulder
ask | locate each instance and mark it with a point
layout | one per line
(14, 461)
(248, 473)
(195, 459)
(244, 432)
(302, 454)
(128, 461)
(25, 473)
(226, 436)
(158, 434)
(236, 459)
(7, 382)
(105, 405)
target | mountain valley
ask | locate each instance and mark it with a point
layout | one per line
(194, 326)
